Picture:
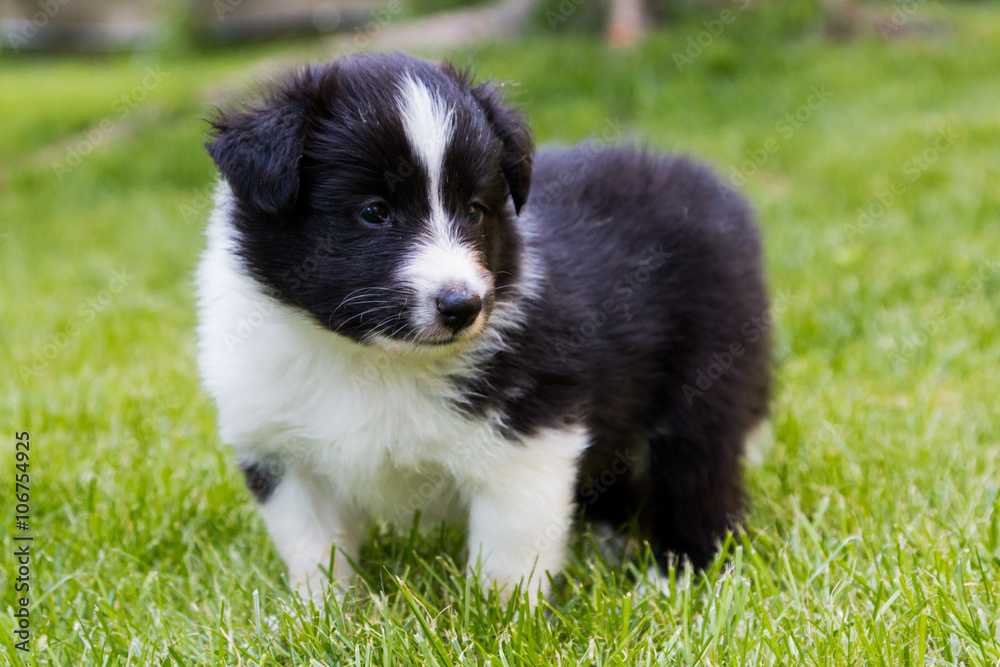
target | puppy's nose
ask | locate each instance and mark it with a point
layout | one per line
(458, 308)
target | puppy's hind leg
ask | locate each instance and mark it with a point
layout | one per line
(695, 494)
(306, 522)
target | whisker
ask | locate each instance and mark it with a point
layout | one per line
(377, 329)
(361, 315)
(352, 299)
(351, 294)
(361, 303)
(399, 318)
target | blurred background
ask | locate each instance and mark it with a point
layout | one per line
(866, 135)
(121, 25)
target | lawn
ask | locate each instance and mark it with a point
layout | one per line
(874, 534)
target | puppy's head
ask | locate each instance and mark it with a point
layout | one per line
(378, 194)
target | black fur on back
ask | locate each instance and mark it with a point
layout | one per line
(648, 331)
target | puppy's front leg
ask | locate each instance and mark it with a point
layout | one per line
(306, 522)
(521, 513)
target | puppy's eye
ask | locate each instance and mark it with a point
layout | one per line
(376, 214)
(475, 214)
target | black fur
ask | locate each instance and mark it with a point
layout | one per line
(511, 127)
(258, 150)
(643, 330)
(652, 269)
(262, 477)
(347, 147)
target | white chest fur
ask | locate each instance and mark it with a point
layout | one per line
(365, 431)
(381, 426)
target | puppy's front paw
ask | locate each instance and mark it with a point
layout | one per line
(312, 583)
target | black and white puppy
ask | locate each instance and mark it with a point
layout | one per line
(389, 323)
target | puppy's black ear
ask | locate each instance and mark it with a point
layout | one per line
(257, 149)
(511, 126)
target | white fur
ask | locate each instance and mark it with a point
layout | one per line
(366, 431)
(520, 517)
(305, 524)
(428, 125)
(442, 261)
(437, 266)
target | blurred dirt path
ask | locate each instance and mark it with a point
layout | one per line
(445, 30)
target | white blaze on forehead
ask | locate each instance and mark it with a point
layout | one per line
(441, 261)
(428, 125)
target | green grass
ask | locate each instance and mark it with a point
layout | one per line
(874, 535)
